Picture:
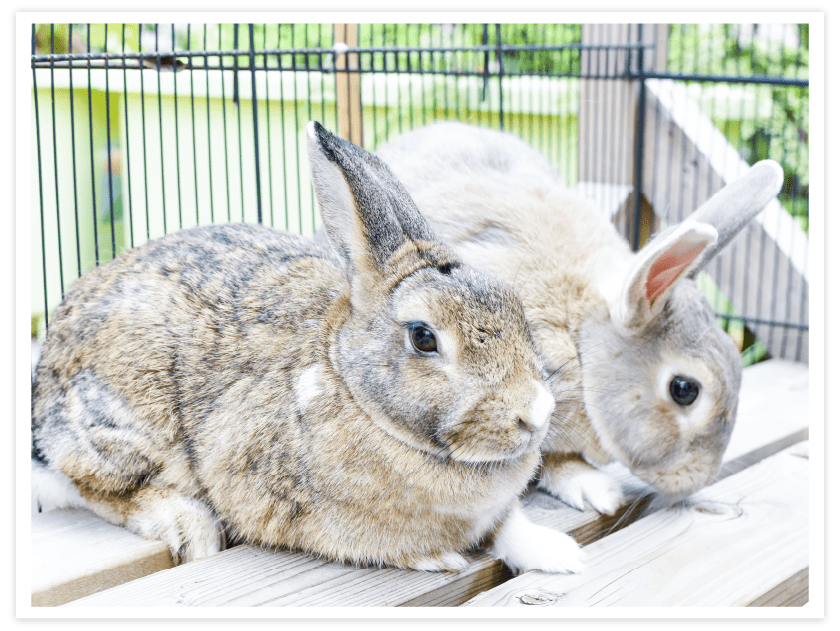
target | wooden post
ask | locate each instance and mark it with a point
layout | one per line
(605, 121)
(348, 85)
(608, 115)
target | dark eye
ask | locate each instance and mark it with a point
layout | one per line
(683, 390)
(422, 339)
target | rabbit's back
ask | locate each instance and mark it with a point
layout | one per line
(502, 206)
(123, 390)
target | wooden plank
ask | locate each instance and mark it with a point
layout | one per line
(791, 593)
(733, 544)
(772, 392)
(75, 554)
(251, 577)
(348, 85)
(764, 270)
(772, 415)
(772, 412)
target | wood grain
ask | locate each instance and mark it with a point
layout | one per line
(773, 396)
(251, 577)
(734, 544)
(75, 554)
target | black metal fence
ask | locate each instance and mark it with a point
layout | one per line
(143, 129)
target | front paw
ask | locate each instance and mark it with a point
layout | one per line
(523, 546)
(583, 486)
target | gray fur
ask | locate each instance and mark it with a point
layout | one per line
(606, 325)
(242, 380)
(735, 205)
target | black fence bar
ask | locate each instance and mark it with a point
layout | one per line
(253, 69)
(108, 158)
(464, 89)
(237, 52)
(40, 190)
(55, 166)
(758, 321)
(66, 61)
(501, 60)
(702, 78)
(194, 132)
(640, 148)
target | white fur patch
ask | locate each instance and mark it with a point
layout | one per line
(308, 386)
(523, 545)
(180, 522)
(52, 490)
(447, 561)
(542, 407)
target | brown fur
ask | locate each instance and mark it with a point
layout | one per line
(237, 377)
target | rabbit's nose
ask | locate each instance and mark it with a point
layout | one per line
(526, 424)
(540, 411)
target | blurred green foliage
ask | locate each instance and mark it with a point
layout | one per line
(774, 121)
(760, 120)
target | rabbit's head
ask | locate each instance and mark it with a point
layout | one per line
(437, 353)
(661, 377)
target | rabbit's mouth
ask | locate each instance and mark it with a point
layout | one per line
(678, 483)
(493, 449)
(480, 455)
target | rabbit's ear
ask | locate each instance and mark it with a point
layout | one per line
(732, 208)
(656, 269)
(367, 213)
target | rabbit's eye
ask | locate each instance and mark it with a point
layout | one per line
(683, 390)
(422, 339)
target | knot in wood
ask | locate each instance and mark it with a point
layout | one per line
(540, 598)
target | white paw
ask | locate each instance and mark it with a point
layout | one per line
(447, 561)
(596, 488)
(185, 524)
(523, 546)
(51, 490)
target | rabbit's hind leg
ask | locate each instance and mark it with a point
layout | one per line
(126, 462)
(52, 489)
(186, 524)
(569, 478)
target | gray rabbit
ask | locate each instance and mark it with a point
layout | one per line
(641, 371)
(376, 402)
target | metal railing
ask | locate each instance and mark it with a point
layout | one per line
(142, 129)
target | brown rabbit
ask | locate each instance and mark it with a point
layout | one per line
(642, 373)
(377, 402)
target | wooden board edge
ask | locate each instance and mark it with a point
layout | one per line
(793, 592)
(105, 578)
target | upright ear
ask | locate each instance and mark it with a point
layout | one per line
(367, 214)
(657, 267)
(683, 250)
(733, 207)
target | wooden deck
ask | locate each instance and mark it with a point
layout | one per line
(743, 541)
